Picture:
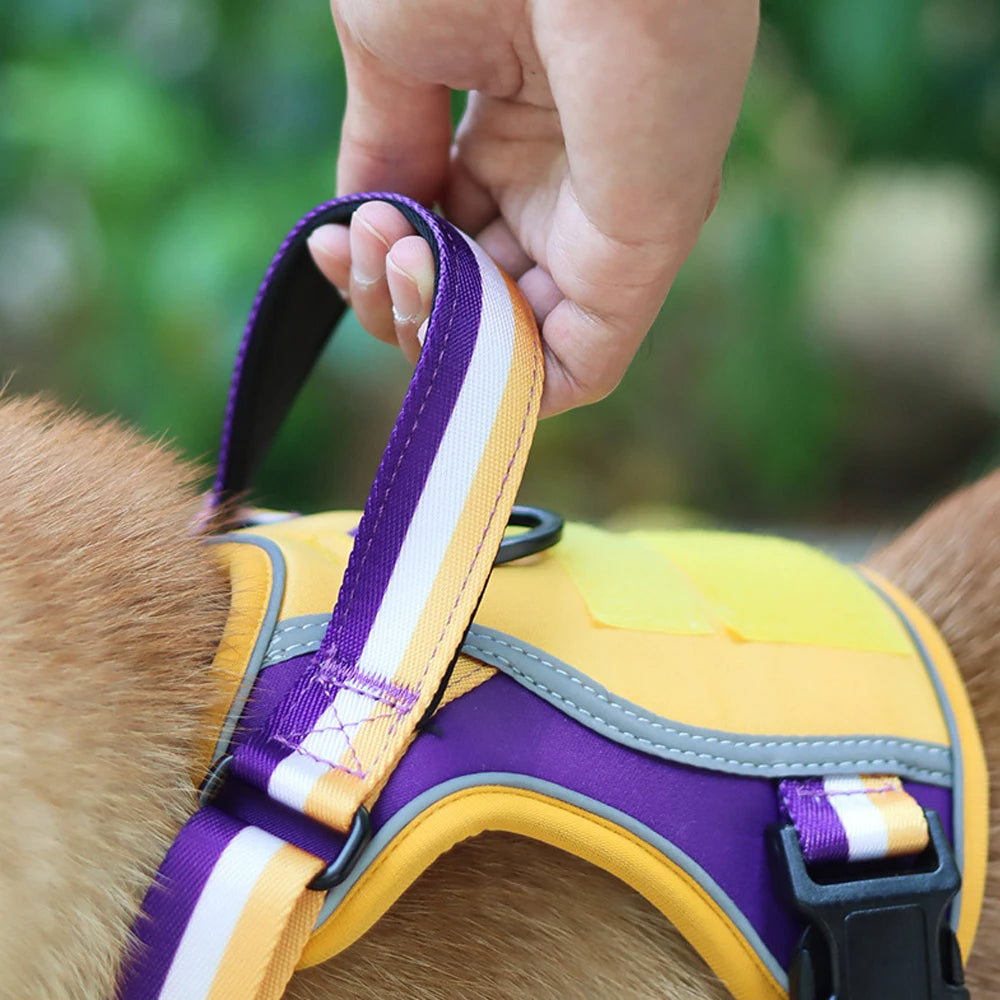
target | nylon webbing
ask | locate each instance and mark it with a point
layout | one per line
(848, 818)
(228, 914)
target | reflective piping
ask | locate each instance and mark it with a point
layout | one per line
(257, 656)
(581, 698)
(958, 774)
(413, 809)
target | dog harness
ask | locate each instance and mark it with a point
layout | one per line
(775, 749)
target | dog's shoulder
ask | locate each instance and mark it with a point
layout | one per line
(109, 615)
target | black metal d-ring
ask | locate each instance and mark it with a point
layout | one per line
(545, 528)
(214, 779)
(342, 865)
(337, 870)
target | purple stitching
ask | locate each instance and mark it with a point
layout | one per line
(384, 692)
(289, 739)
(298, 749)
(341, 728)
(398, 709)
(445, 237)
(475, 558)
(354, 772)
(802, 793)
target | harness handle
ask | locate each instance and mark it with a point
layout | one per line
(434, 518)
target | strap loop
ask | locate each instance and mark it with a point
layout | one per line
(429, 534)
(851, 818)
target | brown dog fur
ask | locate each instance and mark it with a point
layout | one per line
(109, 616)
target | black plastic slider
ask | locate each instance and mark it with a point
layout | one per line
(881, 936)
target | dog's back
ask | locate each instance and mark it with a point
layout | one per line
(109, 616)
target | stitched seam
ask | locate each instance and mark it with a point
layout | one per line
(393, 703)
(696, 737)
(358, 572)
(387, 745)
(341, 728)
(299, 751)
(293, 743)
(279, 655)
(802, 793)
(743, 765)
(290, 739)
(295, 628)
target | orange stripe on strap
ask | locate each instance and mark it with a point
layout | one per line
(377, 743)
(272, 930)
(902, 815)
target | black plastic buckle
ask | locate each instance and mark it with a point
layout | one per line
(879, 937)
(342, 865)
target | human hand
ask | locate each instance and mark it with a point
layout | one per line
(586, 162)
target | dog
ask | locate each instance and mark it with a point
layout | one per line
(110, 612)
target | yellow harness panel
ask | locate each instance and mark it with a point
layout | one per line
(735, 633)
(653, 640)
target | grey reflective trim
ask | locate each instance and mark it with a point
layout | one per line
(295, 637)
(958, 773)
(439, 792)
(620, 720)
(580, 697)
(263, 636)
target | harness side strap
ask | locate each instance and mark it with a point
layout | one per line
(876, 930)
(227, 917)
(853, 818)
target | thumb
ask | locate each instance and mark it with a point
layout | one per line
(396, 134)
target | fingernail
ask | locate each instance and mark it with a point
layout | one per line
(331, 249)
(406, 304)
(326, 240)
(368, 250)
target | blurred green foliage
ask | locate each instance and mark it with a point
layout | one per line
(154, 152)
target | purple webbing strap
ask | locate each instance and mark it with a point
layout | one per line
(399, 484)
(848, 818)
(292, 317)
(805, 804)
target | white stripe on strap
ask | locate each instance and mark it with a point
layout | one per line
(425, 547)
(863, 822)
(217, 913)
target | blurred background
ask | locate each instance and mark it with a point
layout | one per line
(828, 362)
